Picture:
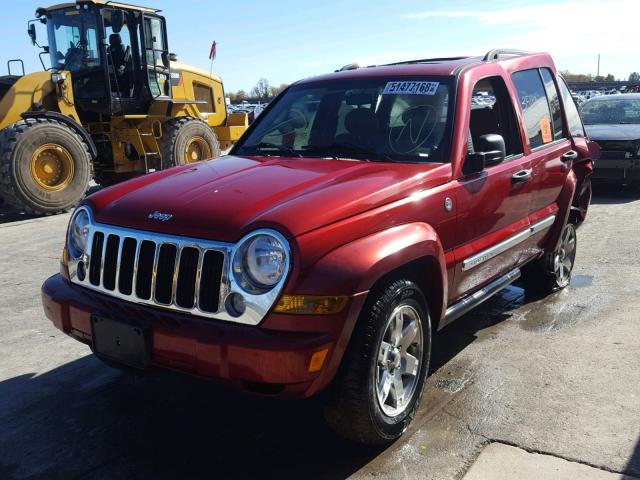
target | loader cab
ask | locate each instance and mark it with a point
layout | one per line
(118, 57)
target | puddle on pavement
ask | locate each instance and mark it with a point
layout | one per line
(451, 385)
(453, 377)
(551, 316)
(579, 281)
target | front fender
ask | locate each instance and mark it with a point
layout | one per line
(355, 267)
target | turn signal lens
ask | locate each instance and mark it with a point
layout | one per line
(310, 305)
(317, 360)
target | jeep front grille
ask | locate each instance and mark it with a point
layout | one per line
(155, 269)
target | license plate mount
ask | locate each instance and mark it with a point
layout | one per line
(121, 342)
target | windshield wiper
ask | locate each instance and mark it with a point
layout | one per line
(347, 148)
(273, 146)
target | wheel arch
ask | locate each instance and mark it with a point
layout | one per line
(69, 122)
(422, 271)
(565, 201)
(412, 250)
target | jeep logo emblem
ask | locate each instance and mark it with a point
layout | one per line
(163, 217)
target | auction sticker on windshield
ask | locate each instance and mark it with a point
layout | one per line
(411, 88)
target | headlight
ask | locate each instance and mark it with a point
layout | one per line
(260, 262)
(78, 233)
(58, 77)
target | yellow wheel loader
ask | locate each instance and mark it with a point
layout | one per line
(114, 104)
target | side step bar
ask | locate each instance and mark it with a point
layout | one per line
(469, 302)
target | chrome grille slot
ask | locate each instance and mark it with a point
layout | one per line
(144, 272)
(167, 271)
(110, 262)
(211, 270)
(165, 267)
(96, 259)
(127, 263)
(187, 271)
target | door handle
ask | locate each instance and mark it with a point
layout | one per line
(570, 156)
(521, 177)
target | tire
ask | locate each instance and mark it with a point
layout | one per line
(356, 408)
(179, 134)
(552, 272)
(45, 166)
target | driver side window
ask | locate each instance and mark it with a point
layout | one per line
(492, 112)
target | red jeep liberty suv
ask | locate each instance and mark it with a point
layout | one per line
(363, 211)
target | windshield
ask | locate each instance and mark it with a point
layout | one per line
(73, 39)
(382, 119)
(611, 111)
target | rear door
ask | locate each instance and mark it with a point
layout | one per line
(548, 149)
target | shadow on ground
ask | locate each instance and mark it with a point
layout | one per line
(66, 424)
(9, 214)
(609, 193)
(633, 466)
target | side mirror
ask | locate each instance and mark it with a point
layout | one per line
(165, 59)
(490, 150)
(32, 33)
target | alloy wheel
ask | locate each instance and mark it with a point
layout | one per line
(398, 363)
(565, 256)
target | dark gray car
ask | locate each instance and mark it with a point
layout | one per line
(614, 122)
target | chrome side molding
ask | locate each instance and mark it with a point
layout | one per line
(497, 249)
(469, 302)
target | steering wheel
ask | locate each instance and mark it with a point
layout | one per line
(73, 58)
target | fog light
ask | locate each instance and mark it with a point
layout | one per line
(234, 304)
(317, 360)
(310, 305)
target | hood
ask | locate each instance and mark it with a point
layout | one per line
(225, 198)
(622, 131)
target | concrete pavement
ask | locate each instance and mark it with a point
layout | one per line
(556, 376)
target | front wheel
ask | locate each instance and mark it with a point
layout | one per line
(378, 389)
(44, 166)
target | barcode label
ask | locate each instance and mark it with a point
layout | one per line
(411, 88)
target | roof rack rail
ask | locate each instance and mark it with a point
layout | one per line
(495, 53)
(349, 66)
(426, 60)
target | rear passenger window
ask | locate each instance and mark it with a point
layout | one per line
(535, 107)
(574, 123)
(554, 103)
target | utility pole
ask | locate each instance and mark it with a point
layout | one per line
(598, 66)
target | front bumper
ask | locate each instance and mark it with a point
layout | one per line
(272, 358)
(617, 169)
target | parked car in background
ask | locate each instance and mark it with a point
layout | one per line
(363, 211)
(613, 121)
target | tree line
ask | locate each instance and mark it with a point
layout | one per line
(262, 91)
(634, 77)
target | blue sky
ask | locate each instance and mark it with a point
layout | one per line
(284, 41)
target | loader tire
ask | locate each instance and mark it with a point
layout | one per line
(187, 140)
(45, 166)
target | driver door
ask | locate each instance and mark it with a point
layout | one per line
(157, 57)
